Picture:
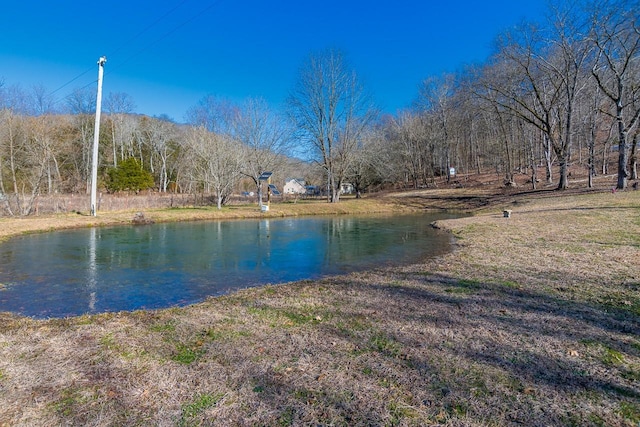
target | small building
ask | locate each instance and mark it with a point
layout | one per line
(346, 188)
(294, 186)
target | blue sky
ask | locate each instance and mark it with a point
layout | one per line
(168, 54)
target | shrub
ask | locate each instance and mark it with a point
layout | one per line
(129, 176)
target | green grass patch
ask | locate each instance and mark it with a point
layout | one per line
(187, 354)
(69, 402)
(201, 403)
(287, 417)
(213, 335)
(457, 409)
(573, 249)
(479, 386)
(286, 318)
(619, 237)
(630, 411)
(510, 285)
(66, 404)
(607, 355)
(299, 319)
(109, 342)
(304, 395)
(269, 290)
(385, 344)
(399, 412)
(85, 320)
(465, 287)
(169, 326)
(597, 420)
(627, 301)
(349, 325)
(612, 357)
(268, 314)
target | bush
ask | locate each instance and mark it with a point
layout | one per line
(129, 176)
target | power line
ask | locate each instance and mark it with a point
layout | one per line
(148, 46)
(72, 80)
(167, 34)
(119, 48)
(147, 28)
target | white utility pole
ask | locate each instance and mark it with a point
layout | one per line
(96, 138)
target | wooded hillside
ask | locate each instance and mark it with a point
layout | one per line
(554, 95)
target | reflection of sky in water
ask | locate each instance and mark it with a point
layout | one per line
(126, 268)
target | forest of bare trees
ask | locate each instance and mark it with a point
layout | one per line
(554, 95)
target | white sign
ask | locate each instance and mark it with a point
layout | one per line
(452, 171)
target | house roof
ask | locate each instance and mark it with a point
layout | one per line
(299, 181)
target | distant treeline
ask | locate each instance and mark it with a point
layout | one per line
(552, 95)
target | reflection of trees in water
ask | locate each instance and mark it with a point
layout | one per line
(117, 268)
(352, 239)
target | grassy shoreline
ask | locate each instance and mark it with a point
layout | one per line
(10, 227)
(533, 320)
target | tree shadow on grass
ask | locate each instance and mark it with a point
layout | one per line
(565, 347)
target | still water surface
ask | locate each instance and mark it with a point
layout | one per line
(96, 270)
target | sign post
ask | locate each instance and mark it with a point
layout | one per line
(265, 176)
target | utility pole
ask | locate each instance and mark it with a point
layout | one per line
(96, 139)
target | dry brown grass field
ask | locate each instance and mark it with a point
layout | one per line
(533, 320)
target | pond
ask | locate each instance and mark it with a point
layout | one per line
(95, 270)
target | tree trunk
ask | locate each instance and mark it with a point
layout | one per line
(564, 178)
(623, 173)
(534, 169)
(335, 192)
(259, 191)
(547, 158)
(633, 158)
(592, 166)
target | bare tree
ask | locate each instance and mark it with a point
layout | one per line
(14, 98)
(118, 105)
(29, 145)
(615, 35)
(82, 101)
(264, 137)
(410, 139)
(41, 101)
(160, 137)
(435, 99)
(215, 162)
(331, 110)
(27, 152)
(11, 139)
(539, 83)
(214, 113)
(371, 165)
(44, 136)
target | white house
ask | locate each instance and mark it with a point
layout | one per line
(294, 186)
(346, 188)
